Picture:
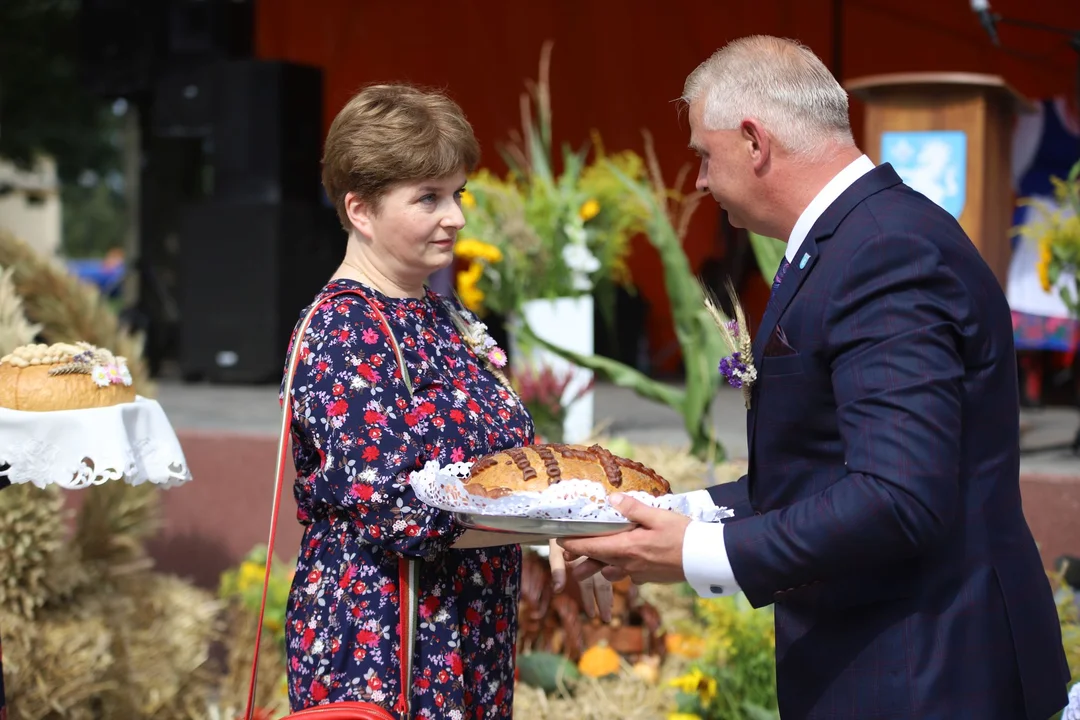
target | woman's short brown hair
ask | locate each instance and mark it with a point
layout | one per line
(389, 134)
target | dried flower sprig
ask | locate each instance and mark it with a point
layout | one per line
(474, 334)
(66, 359)
(738, 367)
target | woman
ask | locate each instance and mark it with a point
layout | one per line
(4, 483)
(395, 164)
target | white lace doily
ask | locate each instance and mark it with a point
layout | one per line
(442, 487)
(76, 449)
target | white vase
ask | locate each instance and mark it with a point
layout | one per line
(566, 323)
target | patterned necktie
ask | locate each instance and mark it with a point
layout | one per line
(780, 272)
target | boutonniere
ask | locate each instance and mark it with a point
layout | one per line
(475, 335)
(738, 366)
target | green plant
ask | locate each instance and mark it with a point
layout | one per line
(538, 233)
(768, 252)
(1069, 617)
(667, 217)
(735, 678)
(244, 584)
(1057, 230)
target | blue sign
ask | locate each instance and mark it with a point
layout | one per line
(933, 163)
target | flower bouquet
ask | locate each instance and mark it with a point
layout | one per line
(1057, 229)
(538, 234)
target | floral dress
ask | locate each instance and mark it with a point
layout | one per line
(4, 482)
(357, 434)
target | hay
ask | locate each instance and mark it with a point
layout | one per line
(68, 309)
(55, 666)
(115, 521)
(162, 630)
(271, 696)
(89, 632)
(139, 652)
(38, 568)
(621, 697)
(15, 329)
(103, 638)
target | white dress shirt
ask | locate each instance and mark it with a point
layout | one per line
(704, 556)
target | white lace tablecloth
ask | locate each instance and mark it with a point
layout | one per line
(76, 449)
(570, 499)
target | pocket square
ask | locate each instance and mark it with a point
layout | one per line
(778, 346)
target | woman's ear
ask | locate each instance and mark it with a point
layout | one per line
(360, 214)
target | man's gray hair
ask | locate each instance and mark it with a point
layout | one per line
(780, 83)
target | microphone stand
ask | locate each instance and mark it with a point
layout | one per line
(1074, 43)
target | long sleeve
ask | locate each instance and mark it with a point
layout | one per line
(352, 409)
(893, 335)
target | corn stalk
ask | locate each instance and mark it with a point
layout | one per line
(668, 217)
(768, 252)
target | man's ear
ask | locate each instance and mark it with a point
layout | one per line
(758, 142)
(360, 214)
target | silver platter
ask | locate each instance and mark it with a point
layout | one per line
(541, 526)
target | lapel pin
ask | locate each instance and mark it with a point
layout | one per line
(805, 259)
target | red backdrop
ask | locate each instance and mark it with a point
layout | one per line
(618, 64)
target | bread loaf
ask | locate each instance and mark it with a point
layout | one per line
(63, 376)
(536, 467)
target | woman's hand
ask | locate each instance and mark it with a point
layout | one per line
(596, 591)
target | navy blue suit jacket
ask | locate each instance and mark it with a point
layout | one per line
(881, 512)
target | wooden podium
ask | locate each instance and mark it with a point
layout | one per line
(949, 135)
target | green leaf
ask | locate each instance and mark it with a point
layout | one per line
(756, 712)
(613, 370)
(768, 252)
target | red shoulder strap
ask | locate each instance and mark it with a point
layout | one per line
(408, 570)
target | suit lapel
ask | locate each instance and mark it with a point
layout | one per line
(785, 293)
(878, 179)
(875, 181)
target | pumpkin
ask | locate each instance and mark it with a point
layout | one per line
(687, 646)
(599, 661)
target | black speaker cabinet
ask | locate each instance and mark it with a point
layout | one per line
(183, 104)
(125, 45)
(267, 138)
(247, 272)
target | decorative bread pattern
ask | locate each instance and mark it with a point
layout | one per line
(63, 376)
(536, 467)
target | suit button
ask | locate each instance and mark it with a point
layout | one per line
(716, 589)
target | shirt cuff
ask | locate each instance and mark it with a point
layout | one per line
(705, 560)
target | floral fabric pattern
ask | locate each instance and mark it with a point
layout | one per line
(357, 433)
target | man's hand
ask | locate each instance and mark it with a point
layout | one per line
(651, 552)
(597, 595)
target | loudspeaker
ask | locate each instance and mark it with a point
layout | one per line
(210, 29)
(247, 272)
(183, 104)
(125, 45)
(267, 137)
(172, 178)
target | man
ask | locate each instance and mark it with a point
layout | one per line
(881, 512)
